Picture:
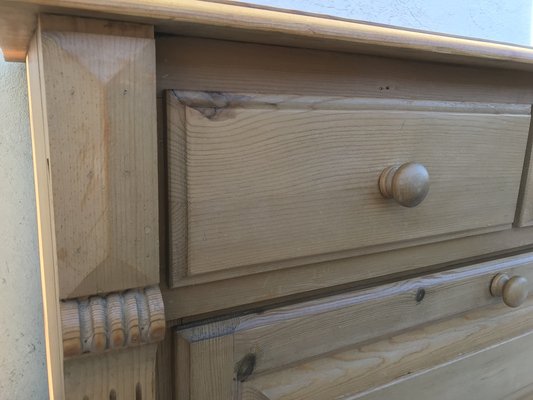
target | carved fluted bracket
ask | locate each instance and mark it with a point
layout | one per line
(113, 321)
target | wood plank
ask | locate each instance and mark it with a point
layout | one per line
(257, 179)
(372, 367)
(98, 81)
(205, 367)
(252, 23)
(191, 303)
(45, 221)
(165, 367)
(374, 337)
(491, 374)
(123, 374)
(215, 65)
(287, 334)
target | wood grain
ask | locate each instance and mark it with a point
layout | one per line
(287, 334)
(114, 321)
(408, 359)
(354, 270)
(272, 177)
(98, 89)
(45, 221)
(215, 65)
(204, 362)
(251, 23)
(374, 336)
(122, 374)
(495, 373)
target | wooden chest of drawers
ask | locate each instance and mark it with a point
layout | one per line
(303, 208)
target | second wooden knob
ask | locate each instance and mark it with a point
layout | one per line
(408, 183)
(513, 291)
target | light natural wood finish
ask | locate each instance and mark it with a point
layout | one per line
(407, 184)
(524, 212)
(98, 87)
(495, 373)
(114, 321)
(215, 65)
(251, 23)
(165, 371)
(45, 221)
(205, 363)
(123, 374)
(413, 356)
(282, 337)
(355, 270)
(513, 291)
(248, 202)
(91, 86)
(223, 66)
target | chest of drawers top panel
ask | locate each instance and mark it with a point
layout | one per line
(274, 178)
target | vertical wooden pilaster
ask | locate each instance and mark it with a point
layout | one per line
(93, 111)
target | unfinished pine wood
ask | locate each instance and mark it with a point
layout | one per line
(273, 177)
(98, 82)
(45, 222)
(216, 65)
(355, 270)
(205, 363)
(280, 339)
(495, 373)
(123, 374)
(254, 24)
(382, 366)
(114, 321)
(287, 334)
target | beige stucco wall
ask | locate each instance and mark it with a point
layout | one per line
(22, 356)
(22, 359)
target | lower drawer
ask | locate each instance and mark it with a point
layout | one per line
(460, 358)
(436, 326)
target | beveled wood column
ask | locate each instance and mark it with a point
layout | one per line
(93, 112)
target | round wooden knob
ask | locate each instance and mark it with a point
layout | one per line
(408, 183)
(513, 290)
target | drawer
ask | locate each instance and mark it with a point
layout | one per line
(439, 362)
(351, 343)
(266, 182)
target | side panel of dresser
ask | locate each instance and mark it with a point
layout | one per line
(293, 352)
(93, 115)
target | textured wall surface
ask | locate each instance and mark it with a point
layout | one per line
(22, 355)
(499, 20)
(22, 360)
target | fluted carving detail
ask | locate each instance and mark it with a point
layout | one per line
(117, 320)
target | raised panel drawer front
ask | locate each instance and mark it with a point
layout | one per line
(262, 182)
(467, 325)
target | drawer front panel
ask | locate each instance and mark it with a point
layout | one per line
(265, 179)
(277, 350)
(468, 357)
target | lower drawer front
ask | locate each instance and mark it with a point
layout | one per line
(460, 358)
(499, 372)
(435, 326)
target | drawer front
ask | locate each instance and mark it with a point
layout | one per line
(319, 349)
(256, 181)
(461, 358)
